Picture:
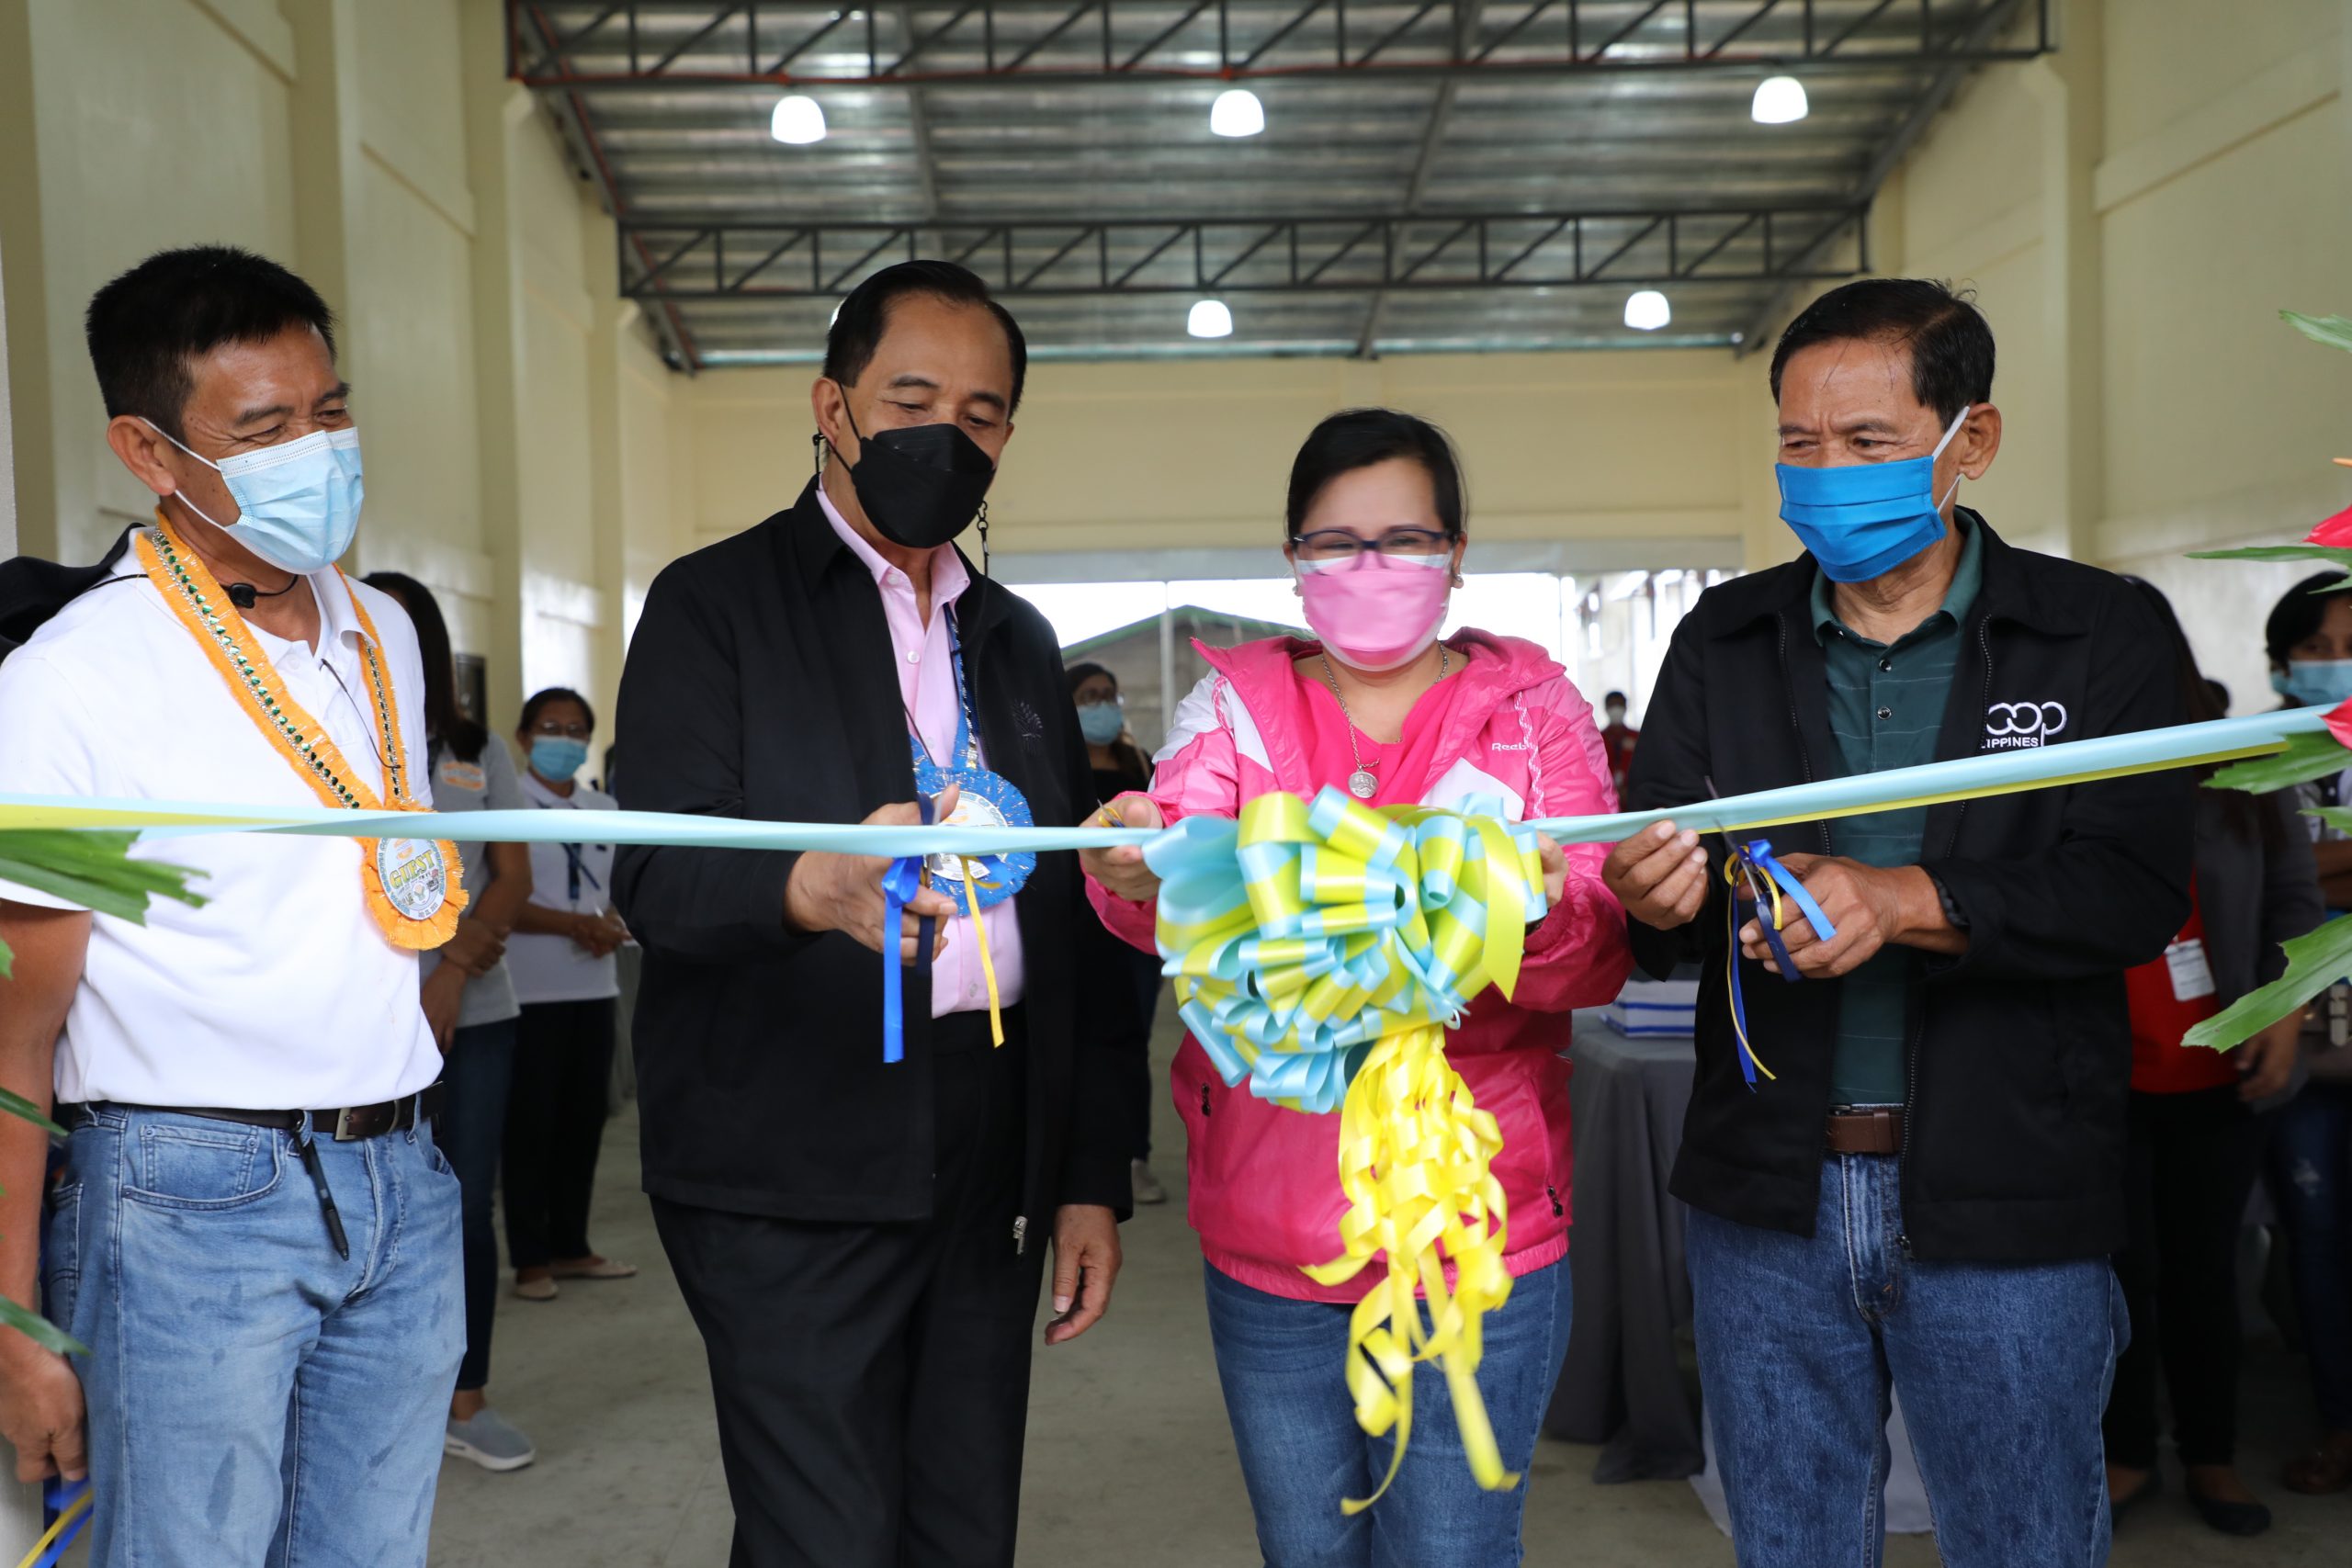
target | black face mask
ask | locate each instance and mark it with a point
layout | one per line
(919, 485)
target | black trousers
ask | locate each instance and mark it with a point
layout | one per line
(873, 1380)
(555, 1125)
(2192, 1162)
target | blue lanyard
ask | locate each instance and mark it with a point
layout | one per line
(574, 865)
(966, 751)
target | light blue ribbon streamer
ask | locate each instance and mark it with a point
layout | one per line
(1980, 774)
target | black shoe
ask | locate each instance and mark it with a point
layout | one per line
(2229, 1519)
(2148, 1488)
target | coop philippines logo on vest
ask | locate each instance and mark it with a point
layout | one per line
(2015, 727)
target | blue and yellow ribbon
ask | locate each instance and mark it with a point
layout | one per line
(1320, 950)
(67, 1505)
(1753, 865)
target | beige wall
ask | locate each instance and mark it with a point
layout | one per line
(1576, 462)
(518, 426)
(2134, 211)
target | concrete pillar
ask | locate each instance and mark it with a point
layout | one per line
(30, 497)
(2070, 86)
(20, 1523)
(495, 110)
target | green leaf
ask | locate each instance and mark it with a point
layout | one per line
(2334, 331)
(39, 1330)
(2306, 757)
(93, 868)
(2334, 816)
(2333, 555)
(2314, 962)
(15, 1104)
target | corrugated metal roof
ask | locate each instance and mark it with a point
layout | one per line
(1644, 128)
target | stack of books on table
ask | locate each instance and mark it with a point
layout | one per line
(1654, 1006)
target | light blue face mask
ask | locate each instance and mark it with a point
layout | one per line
(555, 757)
(297, 504)
(1863, 520)
(1101, 722)
(2314, 683)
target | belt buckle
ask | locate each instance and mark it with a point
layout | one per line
(345, 1130)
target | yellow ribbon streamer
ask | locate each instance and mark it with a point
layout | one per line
(1320, 950)
(988, 961)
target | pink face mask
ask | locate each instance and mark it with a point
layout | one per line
(1376, 611)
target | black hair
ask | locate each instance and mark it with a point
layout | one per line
(540, 699)
(863, 317)
(445, 722)
(1950, 343)
(2300, 612)
(147, 325)
(1358, 438)
(1615, 697)
(2246, 817)
(1079, 674)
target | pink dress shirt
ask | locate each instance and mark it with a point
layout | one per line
(927, 686)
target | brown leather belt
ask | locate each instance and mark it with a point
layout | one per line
(345, 1125)
(1878, 1132)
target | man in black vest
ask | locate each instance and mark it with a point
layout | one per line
(1914, 1180)
(861, 1238)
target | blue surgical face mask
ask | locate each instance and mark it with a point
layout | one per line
(297, 504)
(1863, 520)
(1101, 722)
(555, 759)
(2314, 683)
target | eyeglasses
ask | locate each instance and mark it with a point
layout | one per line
(1336, 544)
(565, 731)
(1116, 699)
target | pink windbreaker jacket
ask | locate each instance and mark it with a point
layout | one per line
(1264, 1181)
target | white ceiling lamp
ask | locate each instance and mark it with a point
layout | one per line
(798, 121)
(1209, 318)
(1779, 100)
(1647, 310)
(1237, 112)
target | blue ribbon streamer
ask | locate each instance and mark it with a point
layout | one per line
(1752, 860)
(899, 885)
(56, 1496)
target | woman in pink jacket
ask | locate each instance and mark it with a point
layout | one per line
(1380, 706)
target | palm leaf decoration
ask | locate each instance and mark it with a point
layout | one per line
(93, 868)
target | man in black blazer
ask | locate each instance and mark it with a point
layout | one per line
(861, 1240)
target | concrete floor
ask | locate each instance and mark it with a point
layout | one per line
(1130, 1460)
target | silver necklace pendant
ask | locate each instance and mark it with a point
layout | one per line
(1362, 785)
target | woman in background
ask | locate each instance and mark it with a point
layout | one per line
(1120, 769)
(566, 980)
(1379, 705)
(470, 1001)
(2194, 1143)
(2309, 639)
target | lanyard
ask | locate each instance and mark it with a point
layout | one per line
(967, 749)
(575, 864)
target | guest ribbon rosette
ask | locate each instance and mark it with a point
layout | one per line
(1320, 952)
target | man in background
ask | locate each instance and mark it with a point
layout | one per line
(1617, 739)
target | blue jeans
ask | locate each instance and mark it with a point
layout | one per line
(471, 1132)
(2311, 1179)
(252, 1397)
(1284, 1366)
(2004, 1370)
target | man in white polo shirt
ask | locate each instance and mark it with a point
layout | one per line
(252, 1231)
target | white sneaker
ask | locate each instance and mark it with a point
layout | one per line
(1146, 1186)
(488, 1439)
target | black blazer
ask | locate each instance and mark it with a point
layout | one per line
(2019, 1050)
(761, 684)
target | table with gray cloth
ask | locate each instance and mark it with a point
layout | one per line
(1623, 1385)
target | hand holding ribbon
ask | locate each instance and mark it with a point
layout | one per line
(1849, 911)
(876, 900)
